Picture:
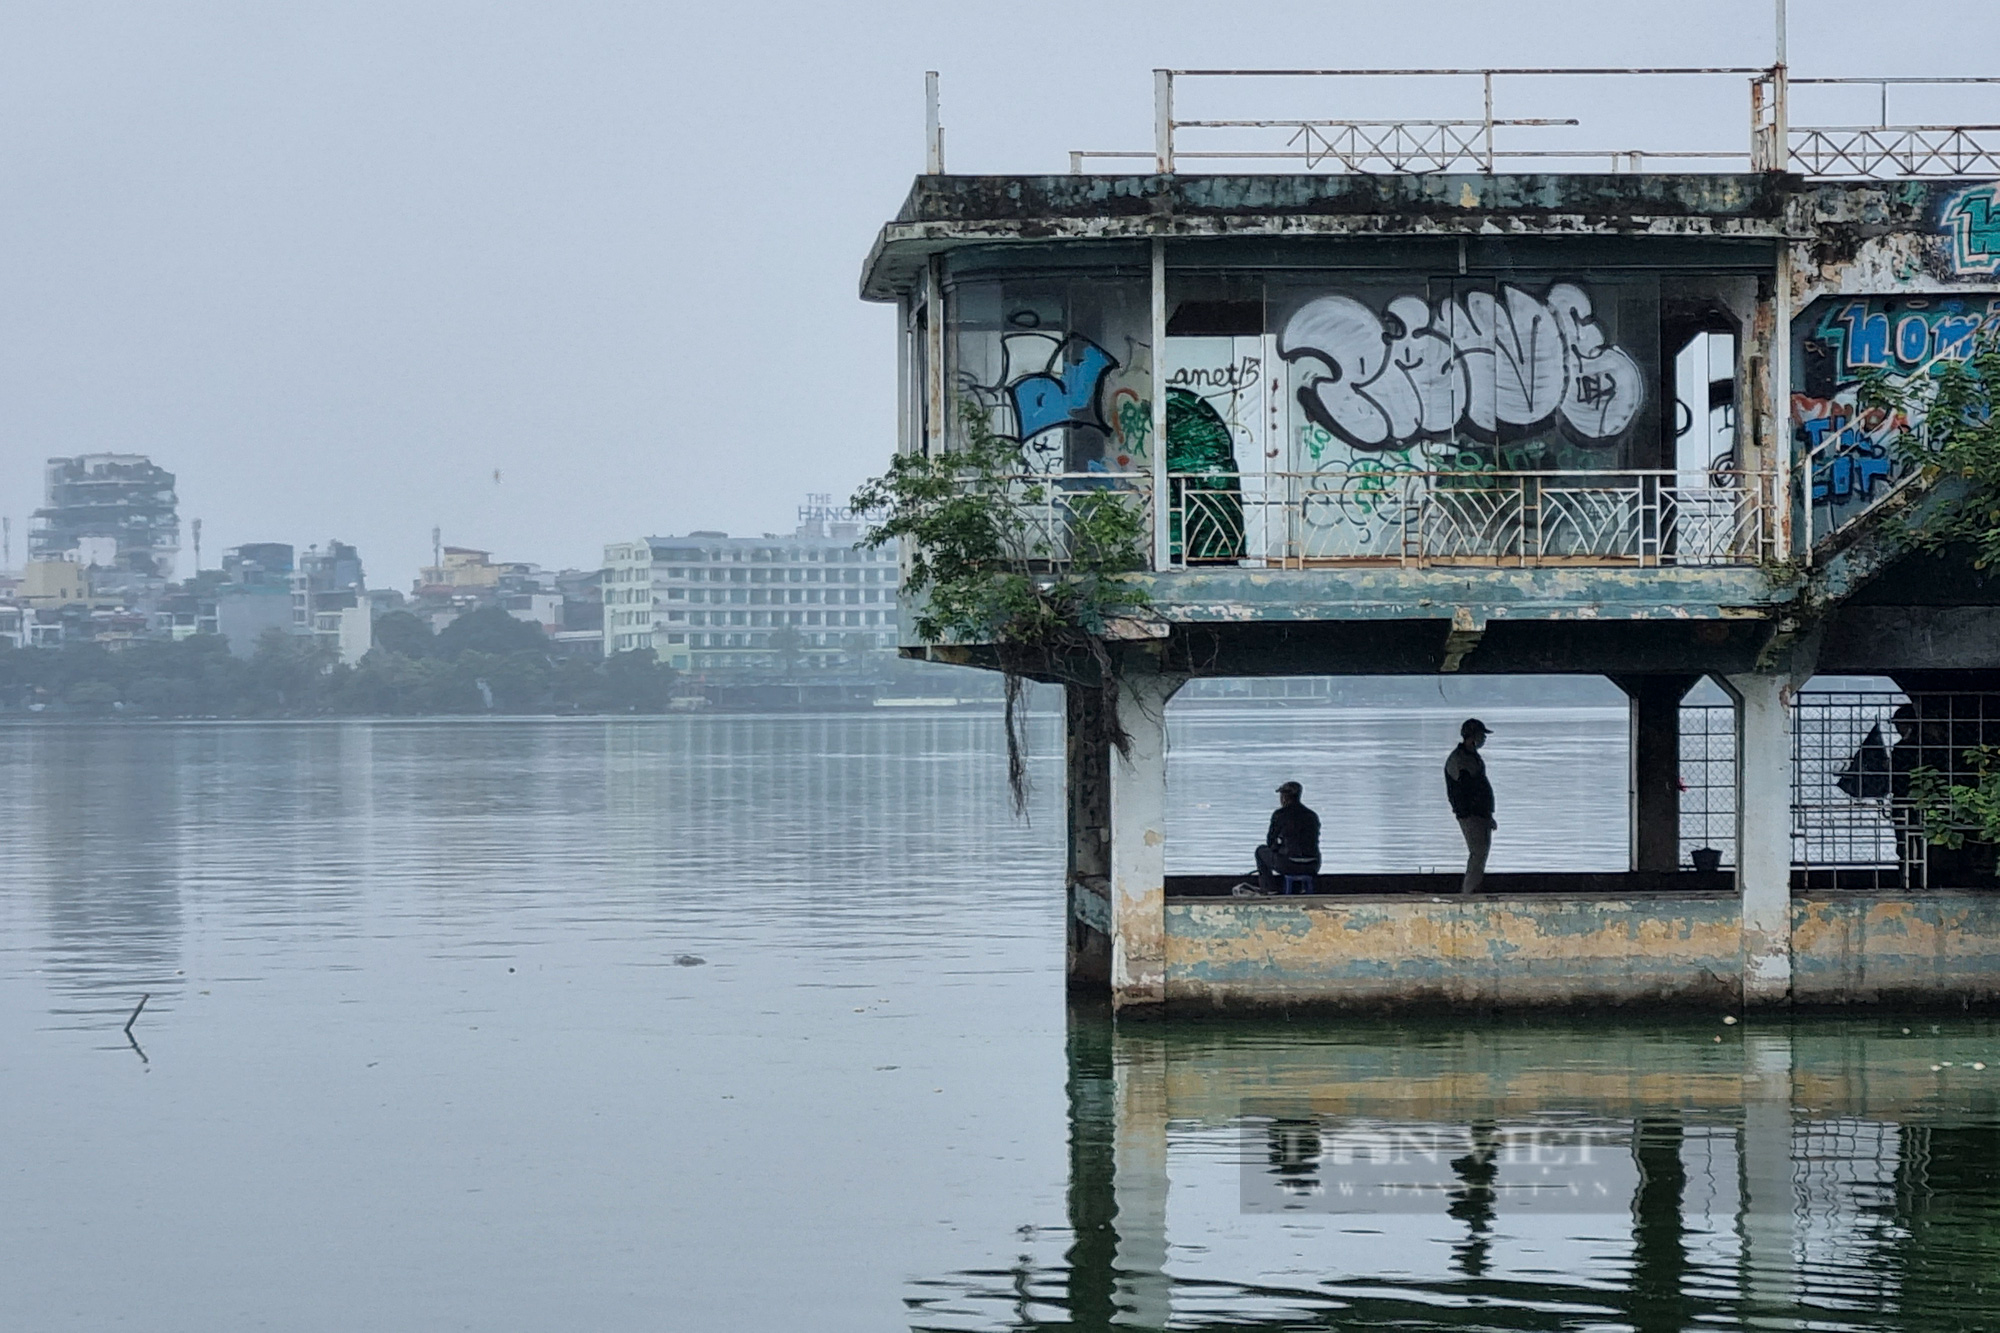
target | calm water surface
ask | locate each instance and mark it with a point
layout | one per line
(758, 1023)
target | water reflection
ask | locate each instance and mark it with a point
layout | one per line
(1812, 1175)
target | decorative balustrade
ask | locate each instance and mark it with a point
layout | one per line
(1640, 518)
(1473, 517)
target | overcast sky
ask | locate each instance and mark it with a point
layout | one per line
(339, 265)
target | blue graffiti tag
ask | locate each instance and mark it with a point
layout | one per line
(1063, 394)
(1972, 218)
(1856, 468)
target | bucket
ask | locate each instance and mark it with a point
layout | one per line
(1706, 859)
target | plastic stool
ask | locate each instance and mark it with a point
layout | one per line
(1298, 884)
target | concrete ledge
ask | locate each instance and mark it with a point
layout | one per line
(1937, 946)
(1444, 884)
(1396, 951)
(1406, 950)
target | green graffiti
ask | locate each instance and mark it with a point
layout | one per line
(1133, 420)
(1315, 440)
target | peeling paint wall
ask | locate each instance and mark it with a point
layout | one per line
(1856, 950)
(1385, 952)
(1390, 952)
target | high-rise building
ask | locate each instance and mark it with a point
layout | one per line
(120, 506)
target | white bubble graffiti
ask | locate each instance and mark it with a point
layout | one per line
(1486, 362)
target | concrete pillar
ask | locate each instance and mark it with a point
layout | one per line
(1655, 768)
(1139, 843)
(1764, 831)
(1087, 885)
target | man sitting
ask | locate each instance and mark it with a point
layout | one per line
(1291, 846)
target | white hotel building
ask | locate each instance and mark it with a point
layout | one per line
(708, 602)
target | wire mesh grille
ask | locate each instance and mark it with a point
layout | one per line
(1860, 762)
(1708, 781)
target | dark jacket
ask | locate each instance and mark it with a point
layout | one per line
(1465, 784)
(1294, 835)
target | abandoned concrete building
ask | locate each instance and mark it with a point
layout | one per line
(117, 510)
(1401, 397)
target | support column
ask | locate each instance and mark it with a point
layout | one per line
(1139, 844)
(1087, 885)
(1764, 831)
(1655, 769)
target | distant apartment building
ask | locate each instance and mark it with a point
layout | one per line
(120, 508)
(460, 567)
(259, 564)
(716, 604)
(54, 582)
(330, 601)
(183, 615)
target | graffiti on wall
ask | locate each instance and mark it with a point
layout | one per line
(1052, 381)
(1482, 364)
(1970, 220)
(1904, 340)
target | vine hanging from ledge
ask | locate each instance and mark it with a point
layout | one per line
(1024, 565)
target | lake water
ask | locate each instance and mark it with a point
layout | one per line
(759, 1023)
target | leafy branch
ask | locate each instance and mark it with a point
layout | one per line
(1005, 559)
(1955, 811)
(1954, 434)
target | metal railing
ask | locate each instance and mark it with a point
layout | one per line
(1645, 518)
(1416, 145)
(1886, 150)
(1469, 517)
(1046, 505)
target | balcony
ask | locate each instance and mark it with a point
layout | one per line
(1424, 518)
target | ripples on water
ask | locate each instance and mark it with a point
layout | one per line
(429, 1046)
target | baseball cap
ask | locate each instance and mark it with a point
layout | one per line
(1289, 789)
(1472, 726)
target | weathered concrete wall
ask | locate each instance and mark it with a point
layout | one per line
(1389, 952)
(1392, 952)
(1855, 949)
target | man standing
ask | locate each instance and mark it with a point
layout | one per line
(1291, 846)
(1471, 797)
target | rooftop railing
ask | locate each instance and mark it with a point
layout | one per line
(1478, 136)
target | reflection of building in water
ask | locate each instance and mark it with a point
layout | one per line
(1206, 1171)
(111, 905)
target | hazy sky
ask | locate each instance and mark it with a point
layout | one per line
(336, 265)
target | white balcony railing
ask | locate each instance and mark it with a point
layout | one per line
(1473, 517)
(1510, 519)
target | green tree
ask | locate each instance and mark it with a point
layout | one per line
(990, 570)
(405, 635)
(490, 630)
(787, 643)
(635, 682)
(1953, 436)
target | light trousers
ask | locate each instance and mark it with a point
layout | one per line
(1478, 831)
